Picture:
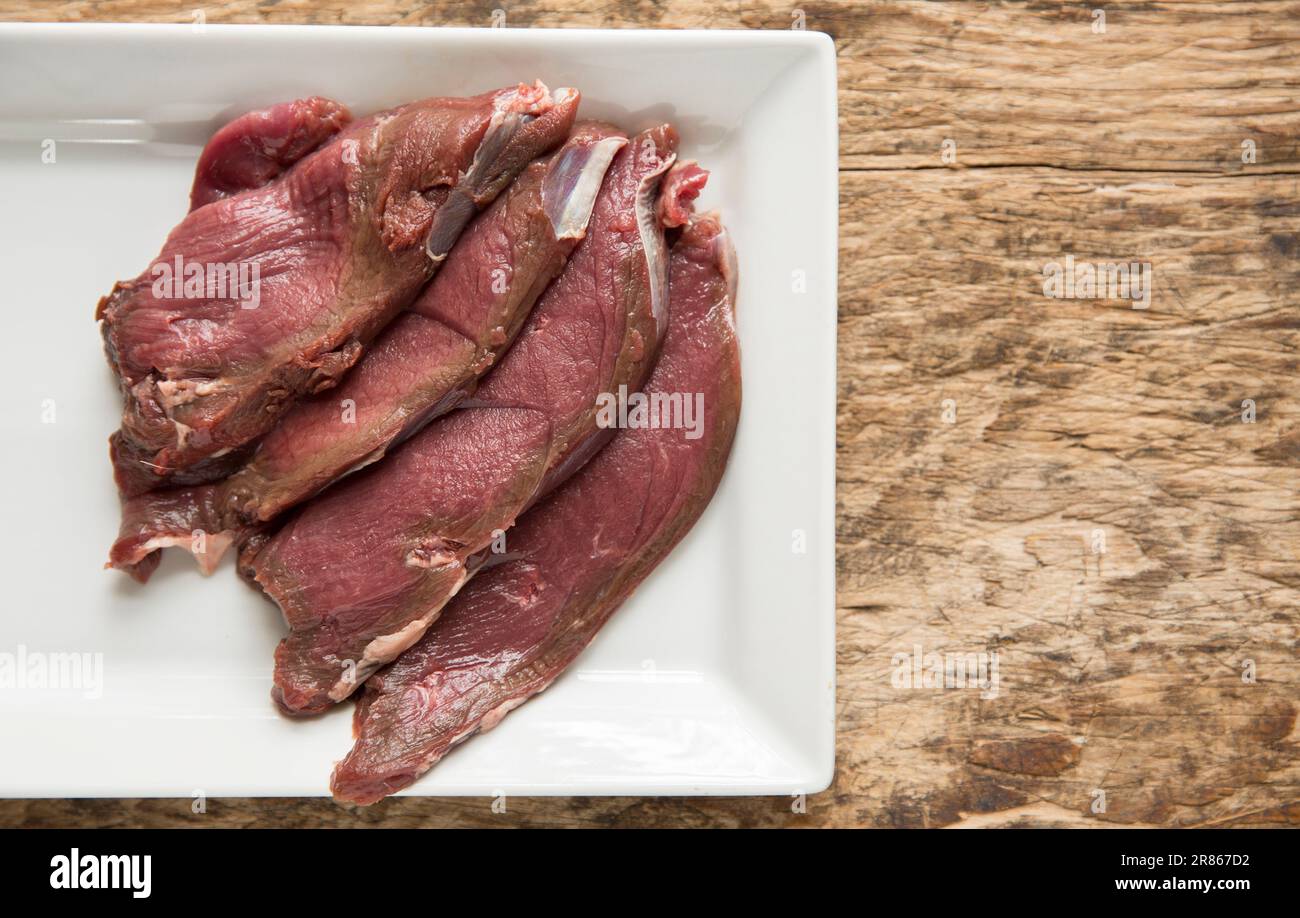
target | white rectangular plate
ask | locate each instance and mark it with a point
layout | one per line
(717, 677)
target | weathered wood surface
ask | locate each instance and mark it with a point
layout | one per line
(1068, 482)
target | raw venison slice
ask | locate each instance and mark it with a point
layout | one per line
(360, 572)
(422, 365)
(257, 147)
(573, 559)
(209, 355)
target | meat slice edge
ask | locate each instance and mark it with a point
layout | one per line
(257, 147)
(412, 529)
(573, 559)
(424, 364)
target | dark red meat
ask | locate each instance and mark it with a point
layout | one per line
(255, 148)
(682, 185)
(361, 572)
(423, 364)
(573, 560)
(341, 242)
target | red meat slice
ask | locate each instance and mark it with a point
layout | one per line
(209, 354)
(573, 559)
(361, 572)
(422, 365)
(256, 148)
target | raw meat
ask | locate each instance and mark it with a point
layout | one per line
(256, 148)
(424, 363)
(361, 572)
(682, 185)
(574, 559)
(271, 293)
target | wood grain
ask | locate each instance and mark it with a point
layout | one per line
(1070, 483)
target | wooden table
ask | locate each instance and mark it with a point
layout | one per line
(1107, 497)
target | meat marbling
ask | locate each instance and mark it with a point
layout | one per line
(363, 570)
(420, 366)
(340, 242)
(573, 559)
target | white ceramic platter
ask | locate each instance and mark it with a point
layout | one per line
(717, 677)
